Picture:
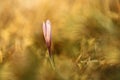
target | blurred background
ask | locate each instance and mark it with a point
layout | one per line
(85, 39)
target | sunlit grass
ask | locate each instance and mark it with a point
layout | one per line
(85, 39)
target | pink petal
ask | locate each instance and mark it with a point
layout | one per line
(44, 29)
(48, 35)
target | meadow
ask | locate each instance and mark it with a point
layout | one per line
(85, 39)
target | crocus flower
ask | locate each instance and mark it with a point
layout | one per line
(47, 34)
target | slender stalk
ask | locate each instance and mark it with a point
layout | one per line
(51, 59)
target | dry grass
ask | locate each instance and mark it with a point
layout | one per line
(85, 39)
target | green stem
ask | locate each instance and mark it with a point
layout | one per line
(51, 59)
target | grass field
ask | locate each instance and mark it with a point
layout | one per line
(85, 39)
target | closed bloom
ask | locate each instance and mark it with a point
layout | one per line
(47, 37)
(47, 34)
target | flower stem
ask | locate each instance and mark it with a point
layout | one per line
(51, 59)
